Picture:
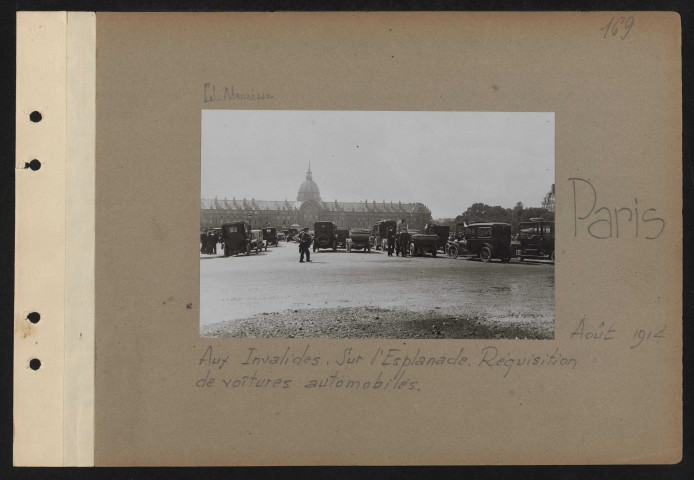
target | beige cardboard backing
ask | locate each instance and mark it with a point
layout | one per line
(40, 215)
(78, 389)
(618, 123)
(54, 272)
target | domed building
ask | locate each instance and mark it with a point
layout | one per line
(309, 189)
(309, 203)
(308, 209)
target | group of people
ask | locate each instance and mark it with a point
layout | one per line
(398, 241)
(208, 242)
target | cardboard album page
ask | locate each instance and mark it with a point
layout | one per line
(348, 238)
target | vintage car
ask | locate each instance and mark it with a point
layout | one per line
(421, 243)
(258, 243)
(483, 240)
(535, 240)
(237, 238)
(342, 234)
(359, 238)
(442, 231)
(293, 231)
(270, 236)
(325, 235)
(380, 233)
(282, 236)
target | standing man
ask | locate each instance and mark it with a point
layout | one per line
(404, 242)
(390, 236)
(304, 244)
(213, 241)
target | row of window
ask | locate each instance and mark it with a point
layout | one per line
(544, 230)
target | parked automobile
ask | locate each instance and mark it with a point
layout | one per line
(270, 236)
(293, 231)
(483, 240)
(282, 236)
(237, 238)
(442, 231)
(342, 234)
(535, 240)
(359, 239)
(257, 241)
(421, 243)
(325, 235)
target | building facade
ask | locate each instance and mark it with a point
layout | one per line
(308, 209)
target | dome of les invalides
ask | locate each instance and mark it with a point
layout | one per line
(308, 189)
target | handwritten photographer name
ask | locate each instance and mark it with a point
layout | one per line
(228, 93)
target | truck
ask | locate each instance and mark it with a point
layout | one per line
(359, 239)
(237, 238)
(270, 236)
(442, 231)
(535, 240)
(421, 243)
(325, 235)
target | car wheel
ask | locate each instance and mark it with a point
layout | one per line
(453, 251)
(485, 254)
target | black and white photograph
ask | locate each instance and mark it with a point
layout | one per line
(377, 224)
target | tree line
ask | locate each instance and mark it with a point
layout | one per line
(481, 212)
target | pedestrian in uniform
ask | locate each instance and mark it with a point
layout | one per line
(203, 241)
(213, 242)
(304, 244)
(390, 236)
(404, 242)
(208, 244)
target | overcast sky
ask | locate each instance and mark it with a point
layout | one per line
(446, 160)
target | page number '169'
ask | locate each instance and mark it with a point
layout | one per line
(619, 25)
